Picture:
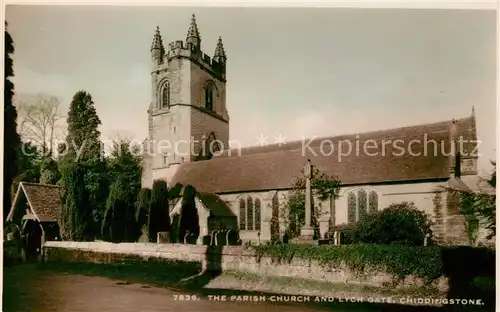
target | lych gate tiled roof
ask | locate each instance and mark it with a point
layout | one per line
(44, 200)
(273, 167)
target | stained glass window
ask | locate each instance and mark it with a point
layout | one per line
(250, 214)
(242, 214)
(362, 201)
(373, 202)
(165, 100)
(209, 96)
(257, 214)
(351, 208)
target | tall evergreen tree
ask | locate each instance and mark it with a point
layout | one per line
(83, 138)
(142, 206)
(12, 140)
(74, 216)
(83, 145)
(119, 224)
(158, 218)
(189, 220)
(124, 166)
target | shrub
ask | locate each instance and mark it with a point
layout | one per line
(401, 224)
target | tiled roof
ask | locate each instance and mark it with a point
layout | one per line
(44, 200)
(217, 207)
(272, 167)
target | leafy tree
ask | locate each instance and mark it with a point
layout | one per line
(49, 171)
(481, 205)
(12, 141)
(323, 186)
(188, 220)
(83, 145)
(158, 217)
(29, 164)
(401, 224)
(125, 162)
(75, 214)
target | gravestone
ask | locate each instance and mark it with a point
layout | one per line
(163, 237)
(222, 238)
(232, 237)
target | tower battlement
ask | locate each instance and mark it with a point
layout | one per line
(179, 48)
(191, 49)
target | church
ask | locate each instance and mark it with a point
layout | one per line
(188, 139)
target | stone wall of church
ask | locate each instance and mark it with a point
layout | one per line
(423, 195)
(199, 78)
(171, 135)
(178, 74)
(232, 200)
(147, 172)
(203, 124)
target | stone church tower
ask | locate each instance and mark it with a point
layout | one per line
(187, 116)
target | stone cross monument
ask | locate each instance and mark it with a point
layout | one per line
(307, 231)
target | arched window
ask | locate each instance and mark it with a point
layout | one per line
(209, 96)
(250, 214)
(165, 95)
(243, 214)
(362, 201)
(359, 204)
(373, 202)
(257, 214)
(250, 211)
(212, 146)
(351, 208)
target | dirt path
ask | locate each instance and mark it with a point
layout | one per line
(64, 292)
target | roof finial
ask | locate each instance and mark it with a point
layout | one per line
(220, 54)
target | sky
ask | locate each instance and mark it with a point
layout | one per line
(295, 72)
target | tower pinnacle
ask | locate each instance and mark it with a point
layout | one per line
(157, 49)
(193, 35)
(220, 54)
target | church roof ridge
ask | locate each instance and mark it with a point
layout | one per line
(268, 148)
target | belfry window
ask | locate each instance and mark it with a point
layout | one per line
(165, 95)
(209, 96)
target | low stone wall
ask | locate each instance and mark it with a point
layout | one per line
(233, 258)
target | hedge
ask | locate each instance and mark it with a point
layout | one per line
(398, 260)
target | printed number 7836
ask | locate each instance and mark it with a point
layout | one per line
(185, 297)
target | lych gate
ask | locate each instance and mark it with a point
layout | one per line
(34, 213)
